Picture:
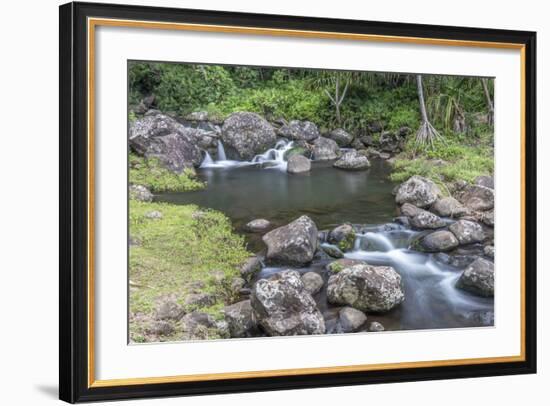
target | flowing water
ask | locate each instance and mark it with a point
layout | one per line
(261, 188)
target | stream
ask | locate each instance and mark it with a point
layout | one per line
(261, 188)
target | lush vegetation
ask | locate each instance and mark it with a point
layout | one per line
(185, 247)
(151, 174)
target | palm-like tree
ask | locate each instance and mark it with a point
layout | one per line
(426, 134)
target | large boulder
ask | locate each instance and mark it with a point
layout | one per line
(448, 207)
(426, 220)
(298, 164)
(478, 278)
(299, 131)
(313, 282)
(325, 149)
(283, 307)
(342, 137)
(366, 288)
(245, 135)
(293, 244)
(418, 191)
(240, 319)
(437, 241)
(476, 197)
(467, 232)
(153, 125)
(343, 236)
(352, 161)
(343, 263)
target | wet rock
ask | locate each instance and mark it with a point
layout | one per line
(351, 319)
(153, 215)
(437, 241)
(340, 264)
(478, 278)
(282, 306)
(169, 309)
(298, 164)
(258, 225)
(343, 236)
(376, 326)
(342, 137)
(313, 282)
(456, 260)
(299, 131)
(486, 181)
(140, 193)
(325, 149)
(293, 244)
(467, 232)
(482, 317)
(240, 320)
(489, 251)
(448, 207)
(332, 250)
(418, 191)
(247, 134)
(475, 197)
(426, 220)
(403, 220)
(352, 161)
(366, 288)
(250, 267)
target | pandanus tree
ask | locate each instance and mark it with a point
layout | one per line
(426, 134)
(338, 94)
(490, 105)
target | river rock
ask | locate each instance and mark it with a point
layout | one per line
(298, 164)
(245, 135)
(140, 193)
(342, 137)
(484, 180)
(488, 218)
(478, 278)
(313, 282)
(489, 250)
(366, 288)
(258, 225)
(299, 131)
(153, 124)
(332, 250)
(376, 327)
(240, 319)
(389, 142)
(343, 236)
(283, 307)
(325, 149)
(426, 220)
(410, 210)
(340, 264)
(293, 244)
(250, 267)
(418, 191)
(169, 309)
(351, 319)
(467, 232)
(352, 161)
(475, 197)
(448, 207)
(438, 241)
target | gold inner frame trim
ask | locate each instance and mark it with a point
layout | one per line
(94, 22)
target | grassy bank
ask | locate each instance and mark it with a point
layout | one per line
(172, 255)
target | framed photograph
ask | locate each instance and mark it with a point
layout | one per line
(258, 202)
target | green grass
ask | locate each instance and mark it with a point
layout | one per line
(151, 174)
(187, 245)
(453, 158)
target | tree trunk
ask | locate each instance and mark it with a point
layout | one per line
(490, 105)
(420, 90)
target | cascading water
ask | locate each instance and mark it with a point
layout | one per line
(272, 158)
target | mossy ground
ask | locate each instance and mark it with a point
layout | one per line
(188, 245)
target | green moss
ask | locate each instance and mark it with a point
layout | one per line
(346, 244)
(186, 246)
(335, 267)
(151, 174)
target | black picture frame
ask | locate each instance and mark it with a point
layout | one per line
(74, 199)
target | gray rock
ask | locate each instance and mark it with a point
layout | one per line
(475, 197)
(153, 124)
(389, 142)
(245, 135)
(342, 138)
(197, 116)
(240, 319)
(489, 250)
(448, 207)
(467, 232)
(195, 300)
(438, 241)
(154, 215)
(488, 218)
(478, 278)
(351, 319)
(250, 267)
(258, 225)
(169, 309)
(325, 149)
(486, 181)
(237, 285)
(410, 210)
(376, 326)
(298, 164)
(313, 282)
(418, 191)
(299, 131)
(140, 193)
(426, 220)
(352, 161)
(161, 328)
(366, 288)
(343, 236)
(341, 264)
(293, 244)
(332, 250)
(282, 306)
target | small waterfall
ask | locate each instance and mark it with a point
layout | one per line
(380, 241)
(275, 155)
(207, 161)
(221, 152)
